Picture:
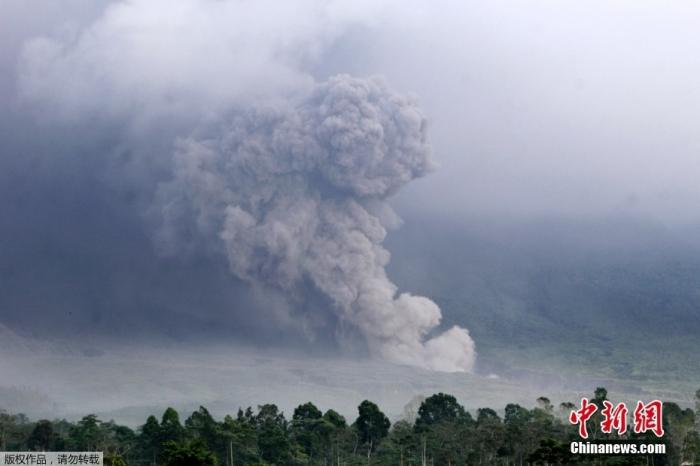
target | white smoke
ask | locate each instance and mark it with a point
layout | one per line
(299, 194)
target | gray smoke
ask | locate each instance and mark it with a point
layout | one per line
(297, 195)
(285, 178)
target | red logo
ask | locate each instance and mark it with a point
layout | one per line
(647, 417)
(614, 418)
(582, 415)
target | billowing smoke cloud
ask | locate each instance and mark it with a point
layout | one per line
(298, 195)
(285, 177)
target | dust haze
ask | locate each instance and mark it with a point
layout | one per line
(434, 191)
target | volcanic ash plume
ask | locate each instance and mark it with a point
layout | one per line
(297, 196)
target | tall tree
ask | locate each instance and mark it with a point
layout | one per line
(516, 420)
(190, 453)
(309, 429)
(273, 442)
(170, 427)
(242, 436)
(372, 426)
(42, 437)
(149, 439)
(338, 437)
(86, 435)
(201, 424)
(439, 408)
(489, 435)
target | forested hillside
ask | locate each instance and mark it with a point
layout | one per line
(607, 298)
(439, 432)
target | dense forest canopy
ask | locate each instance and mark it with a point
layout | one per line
(440, 432)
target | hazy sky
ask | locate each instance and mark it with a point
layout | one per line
(537, 108)
(549, 107)
(117, 116)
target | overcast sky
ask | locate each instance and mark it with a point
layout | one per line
(550, 107)
(534, 109)
(122, 216)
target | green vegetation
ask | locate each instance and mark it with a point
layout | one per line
(442, 433)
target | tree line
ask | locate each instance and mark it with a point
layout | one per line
(441, 432)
